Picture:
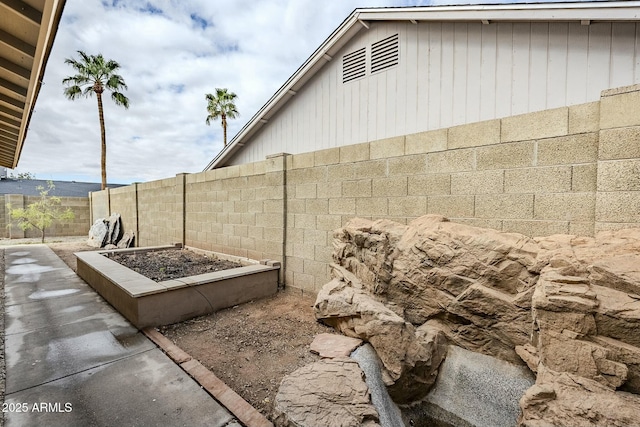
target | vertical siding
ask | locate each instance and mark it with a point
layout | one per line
(451, 74)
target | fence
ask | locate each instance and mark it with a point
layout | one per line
(568, 170)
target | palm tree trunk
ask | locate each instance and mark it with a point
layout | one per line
(224, 128)
(103, 136)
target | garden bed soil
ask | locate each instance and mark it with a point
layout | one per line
(171, 264)
(250, 347)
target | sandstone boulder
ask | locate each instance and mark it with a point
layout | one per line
(567, 307)
(564, 399)
(331, 392)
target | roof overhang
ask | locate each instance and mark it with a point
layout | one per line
(27, 31)
(583, 12)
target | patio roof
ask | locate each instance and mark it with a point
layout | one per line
(27, 31)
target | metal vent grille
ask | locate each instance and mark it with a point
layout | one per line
(354, 65)
(384, 54)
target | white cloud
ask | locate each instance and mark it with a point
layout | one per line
(171, 54)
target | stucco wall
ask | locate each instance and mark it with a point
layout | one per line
(566, 170)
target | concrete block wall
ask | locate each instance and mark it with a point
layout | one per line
(160, 213)
(238, 210)
(618, 172)
(567, 170)
(78, 227)
(124, 201)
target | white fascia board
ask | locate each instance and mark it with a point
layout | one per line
(349, 28)
(357, 21)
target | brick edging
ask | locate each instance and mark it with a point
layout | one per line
(240, 408)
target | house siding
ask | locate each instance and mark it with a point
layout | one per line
(451, 74)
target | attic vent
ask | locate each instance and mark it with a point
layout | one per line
(353, 65)
(384, 54)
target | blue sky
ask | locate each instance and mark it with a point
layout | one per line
(171, 53)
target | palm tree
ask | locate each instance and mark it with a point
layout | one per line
(94, 75)
(221, 106)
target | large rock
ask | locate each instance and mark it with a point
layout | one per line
(331, 392)
(563, 304)
(98, 233)
(563, 399)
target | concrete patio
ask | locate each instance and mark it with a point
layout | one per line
(72, 360)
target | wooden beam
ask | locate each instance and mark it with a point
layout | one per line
(15, 68)
(24, 10)
(12, 101)
(17, 44)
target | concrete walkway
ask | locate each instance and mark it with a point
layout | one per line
(72, 360)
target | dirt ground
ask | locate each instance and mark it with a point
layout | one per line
(250, 347)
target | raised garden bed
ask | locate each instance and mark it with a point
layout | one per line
(145, 302)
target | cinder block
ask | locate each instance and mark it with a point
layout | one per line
(451, 206)
(451, 161)
(474, 134)
(327, 190)
(370, 169)
(324, 254)
(620, 143)
(535, 228)
(538, 180)
(393, 187)
(619, 175)
(306, 191)
(426, 142)
(305, 221)
(436, 184)
(582, 148)
(294, 235)
(620, 110)
(295, 264)
(484, 182)
(305, 282)
(273, 206)
(374, 206)
(506, 156)
(411, 206)
(259, 167)
(304, 251)
(272, 179)
(315, 237)
(326, 157)
(408, 165)
(295, 205)
(342, 206)
(537, 125)
(269, 220)
(504, 206)
(385, 148)
(354, 153)
(340, 172)
(584, 118)
(303, 160)
(360, 188)
(609, 226)
(328, 222)
(582, 228)
(245, 169)
(317, 206)
(307, 176)
(618, 206)
(565, 206)
(275, 162)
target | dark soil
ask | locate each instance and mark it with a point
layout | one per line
(172, 263)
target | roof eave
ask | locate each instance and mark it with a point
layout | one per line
(51, 16)
(582, 11)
